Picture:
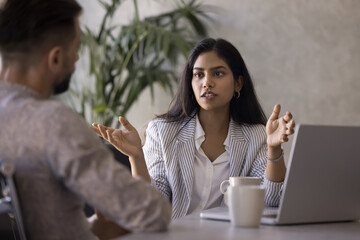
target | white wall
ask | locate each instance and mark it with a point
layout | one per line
(303, 54)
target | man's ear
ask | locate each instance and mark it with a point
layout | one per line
(239, 84)
(55, 58)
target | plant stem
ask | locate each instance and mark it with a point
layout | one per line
(137, 19)
(109, 13)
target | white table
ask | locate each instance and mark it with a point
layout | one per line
(193, 227)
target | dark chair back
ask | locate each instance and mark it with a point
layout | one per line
(9, 201)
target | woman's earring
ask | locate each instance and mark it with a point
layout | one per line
(237, 95)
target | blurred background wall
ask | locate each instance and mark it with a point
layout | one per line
(303, 54)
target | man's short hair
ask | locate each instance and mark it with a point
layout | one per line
(33, 26)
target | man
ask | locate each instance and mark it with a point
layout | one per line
(59, 161)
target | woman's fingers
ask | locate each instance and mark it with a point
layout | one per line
(127, 125)
(111, 139)
(292, 123)
(289, 132)
(287, 117)
(284, 138)
(275, 113)
(101, 130)
(286, 126)
(291, 126)
(95, 129)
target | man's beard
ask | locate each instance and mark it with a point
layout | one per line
(63, 86)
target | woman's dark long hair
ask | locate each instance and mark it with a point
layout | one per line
(245, 109)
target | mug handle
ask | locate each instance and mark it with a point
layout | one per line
(224, 185)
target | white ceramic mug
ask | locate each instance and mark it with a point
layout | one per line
(237, 181)
(246, 204)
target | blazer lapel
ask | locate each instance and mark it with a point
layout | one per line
(186, 154)
(238, 148)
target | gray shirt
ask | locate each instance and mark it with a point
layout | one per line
(60, 163)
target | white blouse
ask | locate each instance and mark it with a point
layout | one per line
(207, 175)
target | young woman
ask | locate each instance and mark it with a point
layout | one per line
(215, 128)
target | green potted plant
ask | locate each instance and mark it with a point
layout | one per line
(125, 60)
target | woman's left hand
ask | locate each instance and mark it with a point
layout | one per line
(279, 129)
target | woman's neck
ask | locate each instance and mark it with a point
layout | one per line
(214, 122)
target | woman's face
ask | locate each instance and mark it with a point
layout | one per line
(213, 82)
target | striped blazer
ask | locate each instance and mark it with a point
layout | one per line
(170, 153)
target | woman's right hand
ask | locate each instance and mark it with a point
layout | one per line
(129, 143)
(126, 141)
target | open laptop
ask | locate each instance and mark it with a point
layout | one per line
(322, 179)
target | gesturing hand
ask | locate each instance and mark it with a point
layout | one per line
(278, 129)
(126, 141)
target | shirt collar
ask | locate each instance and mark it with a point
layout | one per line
(227, 140)
(199, 134)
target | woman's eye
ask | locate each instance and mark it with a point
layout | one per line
(219, 74)
(198, 75)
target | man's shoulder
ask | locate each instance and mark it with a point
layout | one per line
(54, 108)
(58, 116)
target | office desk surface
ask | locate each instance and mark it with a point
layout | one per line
(193, 227)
